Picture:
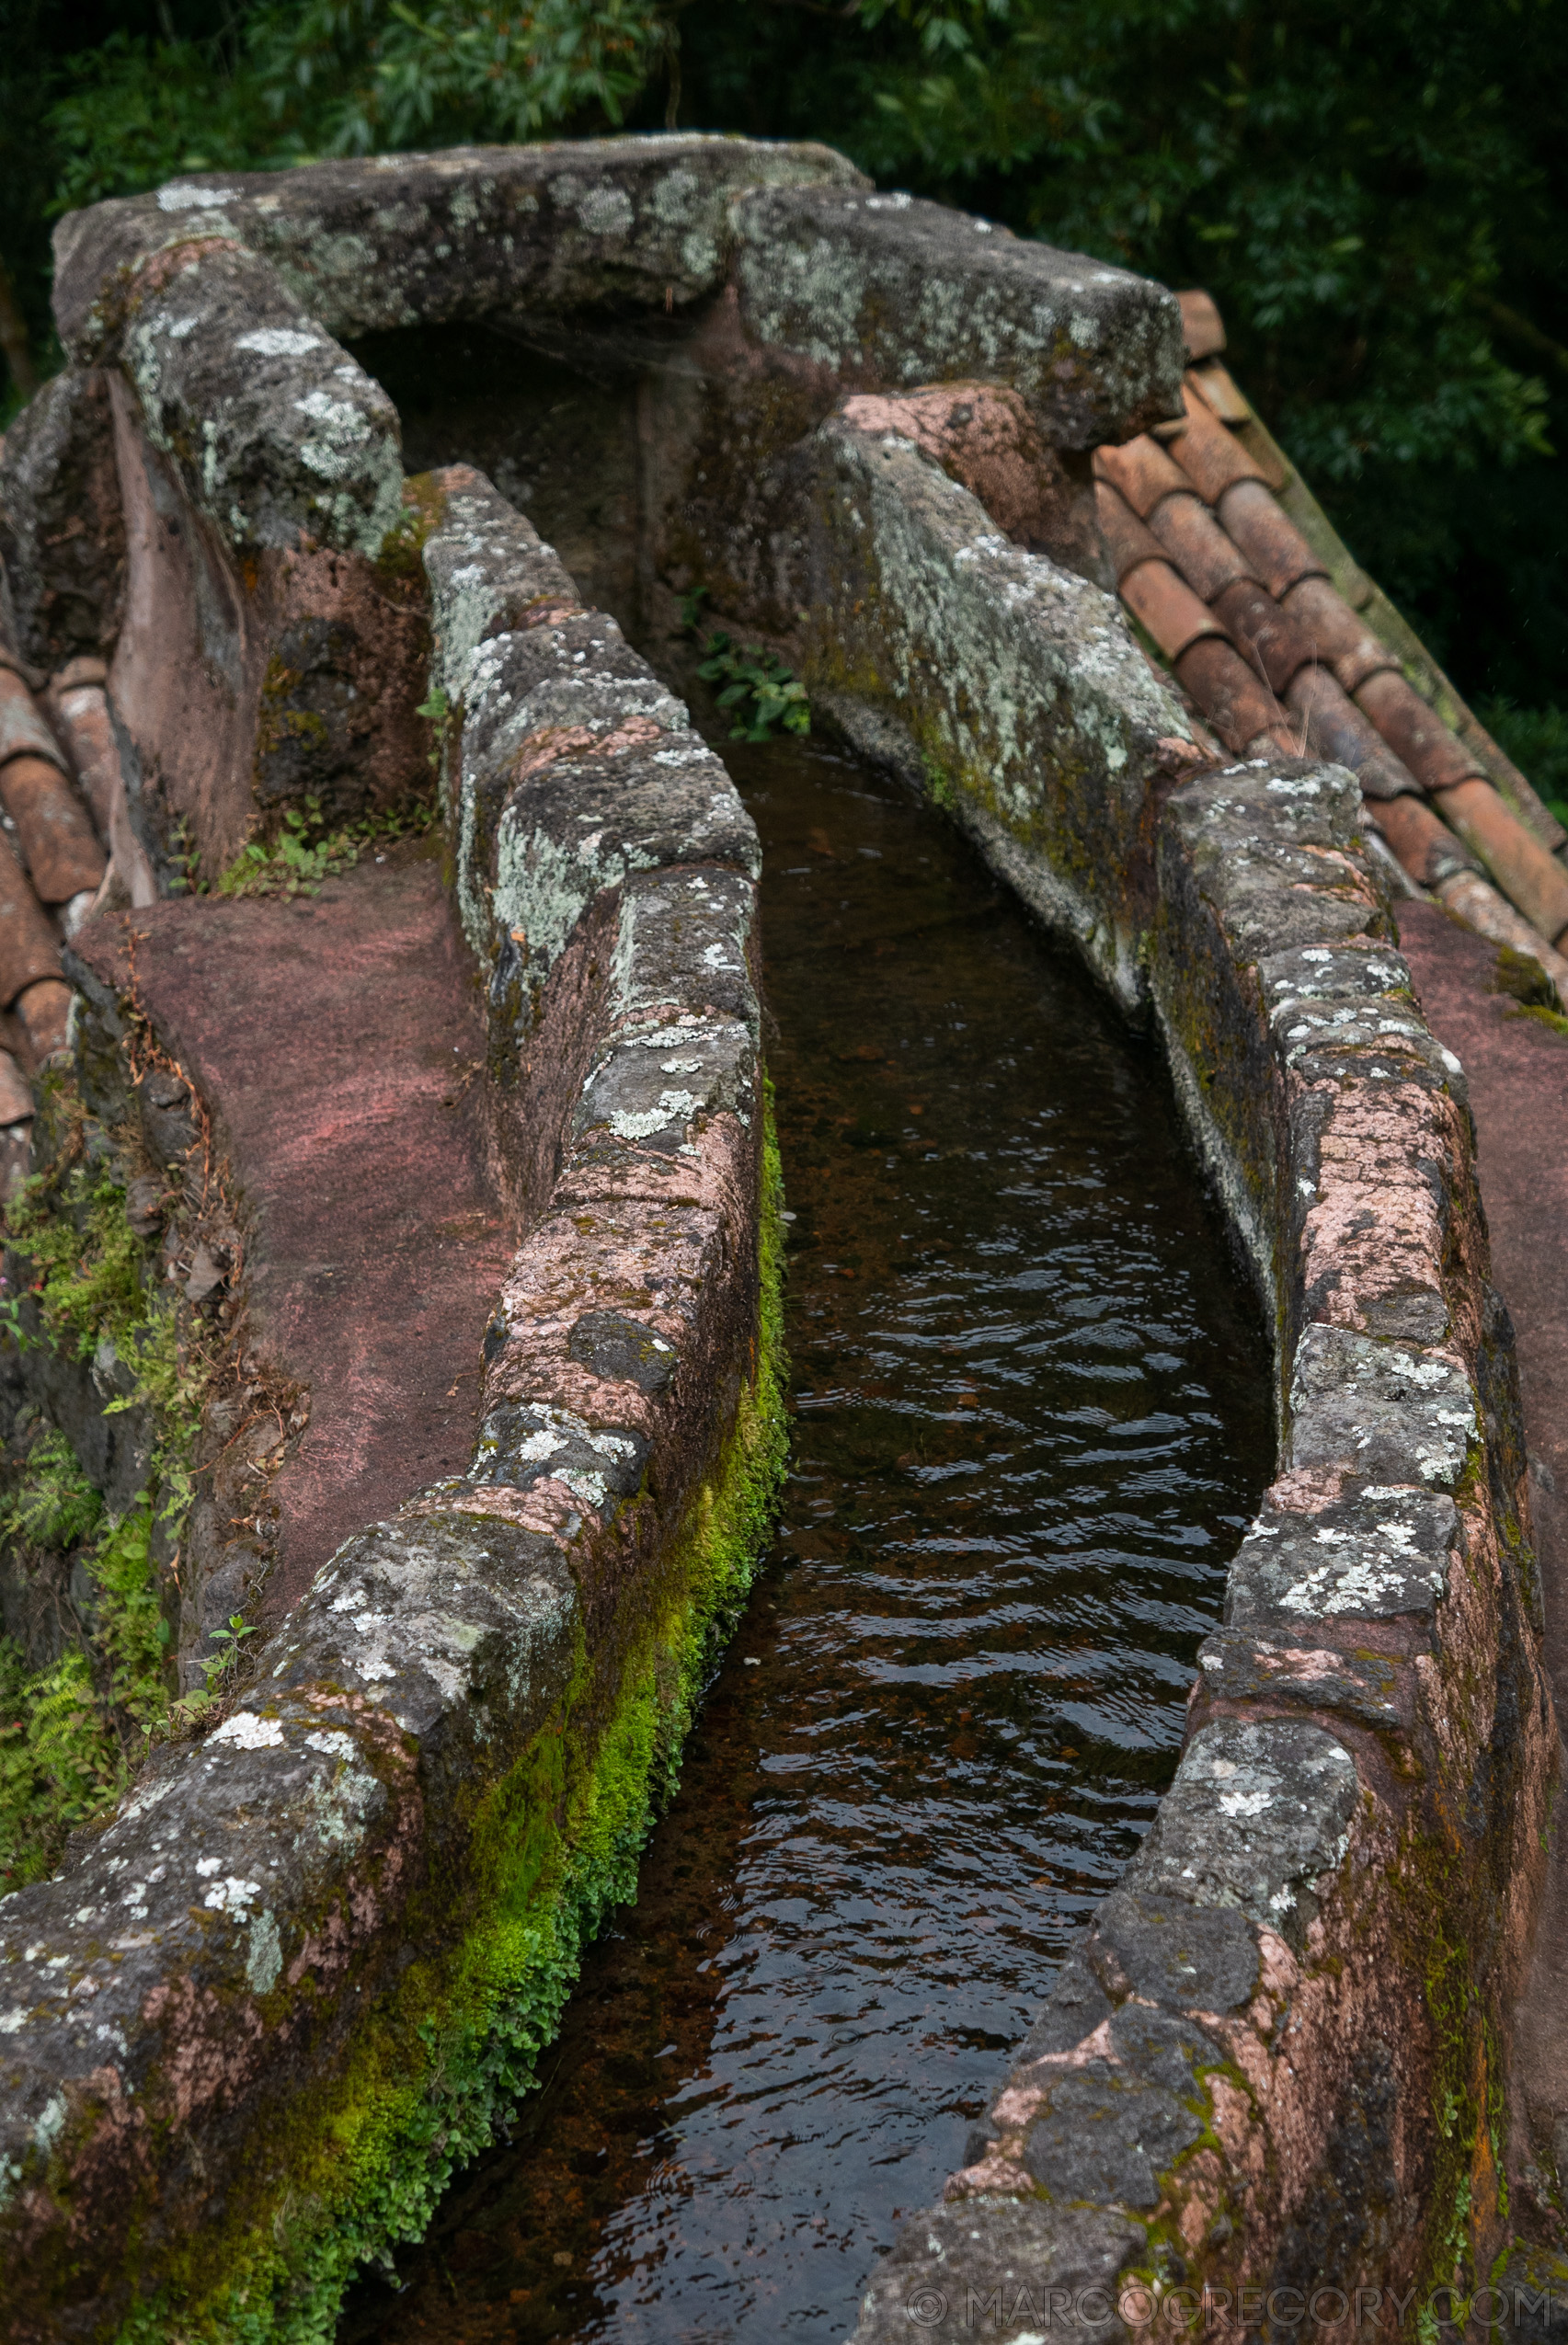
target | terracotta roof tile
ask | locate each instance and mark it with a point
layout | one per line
(53, 829)
(1335, 729)
(1202, 327)
(1168, 607)
(1338, 636)
(1212, 458)
(1426, 846)
(44, 1010)
(1142, 471)
(1527, 875)
(1194, 540)
(1214, 384)
(1264, 633)
(1127, 541)
(22, 730)
(1475, 901)
(1239, 708)
(1274, 592)
(1415, 733)
(29, 949)
(15, 1091)
(1279, 554)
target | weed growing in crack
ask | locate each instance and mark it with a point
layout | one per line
(306, 851)
(757, 686)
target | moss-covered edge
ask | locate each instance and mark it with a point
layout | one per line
(371, 2148)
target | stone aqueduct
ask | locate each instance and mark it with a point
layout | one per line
(343, 1915)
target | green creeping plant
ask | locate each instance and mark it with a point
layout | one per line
(775, 694)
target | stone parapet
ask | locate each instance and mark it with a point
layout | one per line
(319, 1947)
(1226, 2100)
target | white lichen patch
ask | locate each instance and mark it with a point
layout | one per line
(276, 341)
(247, 1731)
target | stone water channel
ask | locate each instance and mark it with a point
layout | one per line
(1032, 1415)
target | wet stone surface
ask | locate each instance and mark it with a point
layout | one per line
(1031, 1423)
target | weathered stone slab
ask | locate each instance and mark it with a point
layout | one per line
(62, 536)
(397, 239)
(1004, 2269)
(893, 290)
(1009, 690)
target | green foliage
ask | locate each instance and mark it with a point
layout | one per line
(60, 1760)
(86, 1263)
(68, 1732)
(228, 1641)
(758, 688)
(343, 77)
(1536, 740)
(306, 851)
(55, 1505)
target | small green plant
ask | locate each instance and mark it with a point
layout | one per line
(184, 860)
(437, 711)
(60, 1759)
(1536, 740)
(758, 687)
(225, 1661)
(56, 1506)
(306, 851)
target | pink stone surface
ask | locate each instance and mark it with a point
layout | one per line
(1517, 1071)
(1517, 1068)
(334, 1037)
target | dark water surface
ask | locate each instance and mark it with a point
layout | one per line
(1031, 1417)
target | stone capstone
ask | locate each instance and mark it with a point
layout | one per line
(1004, 2269)
(278, 435)
(1111, 2127)
(472, 232)
(1255, 1817)
(894, 289)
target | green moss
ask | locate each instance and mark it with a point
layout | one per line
(69, 1731)
(359, 2158)
(78, 1283)
(403, 546)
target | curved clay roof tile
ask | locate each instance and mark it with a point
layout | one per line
(1142, 471)
(1127, 541)
(1416, 732)
(1263, 633)
(52, 829)
(1338, 638)
(30, 948)
(1335, 729)
(1168, 607)
(1271, 542)
(1203, 329)
(1240, 709)
(1212, 458)
(1205, 557)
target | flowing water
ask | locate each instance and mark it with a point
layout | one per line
(1031, 1416)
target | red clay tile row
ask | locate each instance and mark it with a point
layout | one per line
(1267, 649)
(51, 866)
